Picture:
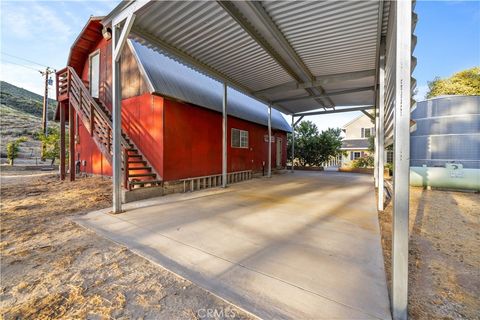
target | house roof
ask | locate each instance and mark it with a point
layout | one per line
(352, 121)
(85, 42)
(355, 144)
(170, 78)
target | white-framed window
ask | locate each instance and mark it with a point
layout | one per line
(354, 155)
(239, 138)
(367, 132)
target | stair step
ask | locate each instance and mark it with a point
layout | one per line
(135, 156)
(135, 175)
(139, 168)
(137, 161)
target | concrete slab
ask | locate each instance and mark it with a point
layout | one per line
(296, 246)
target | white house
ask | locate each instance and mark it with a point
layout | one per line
(355, 143)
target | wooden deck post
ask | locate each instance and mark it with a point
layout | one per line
(71, 127)
(62, 141)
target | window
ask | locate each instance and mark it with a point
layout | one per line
(239, 138)
(389, 156)
(367, 132)
(354, 155)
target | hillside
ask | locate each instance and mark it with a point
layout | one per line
(24, 100)
(21, 116)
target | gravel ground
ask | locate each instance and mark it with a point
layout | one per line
(444, 254)
(53, 269)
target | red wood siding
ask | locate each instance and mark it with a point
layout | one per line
(193, 143)
(105, 50)
(87, 150)
(142, 121)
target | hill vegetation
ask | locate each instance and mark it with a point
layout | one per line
(21, 116)
(24, 100)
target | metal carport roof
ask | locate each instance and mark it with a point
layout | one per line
(295, 56)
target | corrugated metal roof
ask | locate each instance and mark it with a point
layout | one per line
(259, 45)
(170, 78)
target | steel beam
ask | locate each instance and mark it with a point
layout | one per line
(116, 121)
(298, 121)
(379, 39)
(381, 128)
(269, 172)
(124, 10)
(288, 59)
(278, 40)
(293, 140)
(401, 146)
(224, 136)
(319, 81)
(330, 94)
(315, 113)
(123, 37)
(368, 114)
(375, 162)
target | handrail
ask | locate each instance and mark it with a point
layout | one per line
(83, 95)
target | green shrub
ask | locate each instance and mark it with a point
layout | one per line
(12, 149)
(363, 162)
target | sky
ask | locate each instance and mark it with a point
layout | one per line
(36, 34)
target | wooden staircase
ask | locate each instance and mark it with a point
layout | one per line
(137, 171)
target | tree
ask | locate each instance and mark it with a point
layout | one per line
(466, 82)
(313, 148)
(330, 144)
(51, 144)
(13, 148)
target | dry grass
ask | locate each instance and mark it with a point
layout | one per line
(54, 269)
(444, 264)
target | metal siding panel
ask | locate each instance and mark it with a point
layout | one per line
(172, 79)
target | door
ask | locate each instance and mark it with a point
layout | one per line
(279, 152)
(95, 74)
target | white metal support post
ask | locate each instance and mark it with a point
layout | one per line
(269, 172)
(375, 165)
(381, 129)
(401, 146)
(293, 141)
(116, 123)
(224, 137)
(118, 41)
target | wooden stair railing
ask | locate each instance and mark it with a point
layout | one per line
(98, 123)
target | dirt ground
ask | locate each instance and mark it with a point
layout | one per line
(444, 263)
(53, 269)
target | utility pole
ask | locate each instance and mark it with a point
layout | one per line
(45, 73)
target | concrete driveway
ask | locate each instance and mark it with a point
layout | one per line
(296, 246)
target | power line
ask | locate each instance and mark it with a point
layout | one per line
(22, 65)
(17, 57)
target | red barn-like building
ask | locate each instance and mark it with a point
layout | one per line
(171, 117)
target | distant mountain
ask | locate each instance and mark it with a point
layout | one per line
(24, 100)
